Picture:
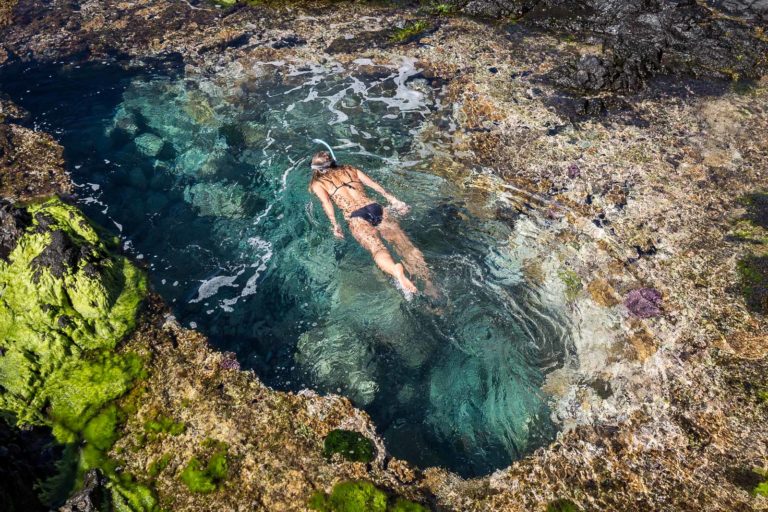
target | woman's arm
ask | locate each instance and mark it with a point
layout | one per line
(325, 200)
(368, 182)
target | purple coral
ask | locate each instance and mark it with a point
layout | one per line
(644, 302)
(574, 171)
(229, 361)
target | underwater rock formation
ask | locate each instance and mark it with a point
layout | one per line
(149, 144)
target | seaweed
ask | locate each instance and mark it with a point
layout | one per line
(410, 31)
(351, 445)
(66, 303)
(205, 478)
(356, 496)
(562, 505)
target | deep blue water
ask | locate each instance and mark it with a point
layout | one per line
(205, 179)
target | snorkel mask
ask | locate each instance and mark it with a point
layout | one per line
(323, 161)
(322, 167)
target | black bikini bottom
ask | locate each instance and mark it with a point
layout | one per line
(372, 213)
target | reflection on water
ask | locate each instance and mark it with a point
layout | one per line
(205, 178)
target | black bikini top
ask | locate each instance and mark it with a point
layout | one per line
(345, 184)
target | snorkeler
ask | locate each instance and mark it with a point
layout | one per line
(368, 221)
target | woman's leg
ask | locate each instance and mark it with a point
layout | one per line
(412, 256)
(369, 238)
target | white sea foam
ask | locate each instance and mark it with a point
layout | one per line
(211, 287)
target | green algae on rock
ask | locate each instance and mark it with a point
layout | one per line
(356, 496)
(64, 299)
(351, 445)
(205, 478)
(66, 302)
(562, 505)
(410, 31)
(164, 425)
(753, 271)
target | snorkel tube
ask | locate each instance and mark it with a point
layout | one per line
(330, 149)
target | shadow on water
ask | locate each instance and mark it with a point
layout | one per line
(205, 180)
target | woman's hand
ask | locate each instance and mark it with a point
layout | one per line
(337, 232)
(399, 206)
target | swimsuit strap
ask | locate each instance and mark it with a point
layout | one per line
(345, 184)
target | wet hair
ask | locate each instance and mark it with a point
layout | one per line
(322, 161)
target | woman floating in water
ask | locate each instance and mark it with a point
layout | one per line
(368, 221)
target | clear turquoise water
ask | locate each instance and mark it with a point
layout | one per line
(205, 179)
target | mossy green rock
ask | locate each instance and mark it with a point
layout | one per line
(753, 271)
(65, 302)
(358, 496)
(349, 444)
(204, 478)
(562, 505)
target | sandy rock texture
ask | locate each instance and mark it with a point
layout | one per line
(659, 186)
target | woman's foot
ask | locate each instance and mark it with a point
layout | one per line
(404, 281)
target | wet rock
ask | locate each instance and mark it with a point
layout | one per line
(229, 361)
(63, 255)
(365, 40)
(643, 38)
(149, 144)
(290, 41)
(603, 293)
(644, 302)
(27, 457)
(13, 222)
(93, 497)
(11, 111)
(31, 164)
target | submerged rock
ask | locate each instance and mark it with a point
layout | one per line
(125, 121)
(218, 199)
(149, 144)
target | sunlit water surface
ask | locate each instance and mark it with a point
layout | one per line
(205, 179)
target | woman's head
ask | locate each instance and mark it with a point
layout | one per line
(322, 161)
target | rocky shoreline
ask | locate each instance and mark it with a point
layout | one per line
(664, 191)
